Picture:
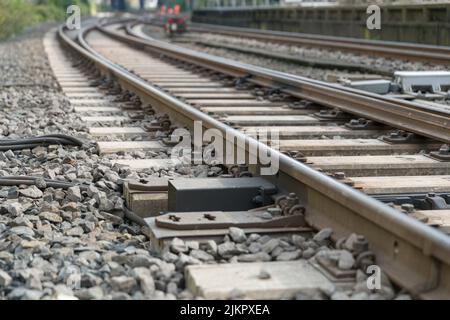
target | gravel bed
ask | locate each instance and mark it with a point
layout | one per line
(77, 243)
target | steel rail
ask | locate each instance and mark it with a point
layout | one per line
(414, 255)
(311, 62)
(389, 99)
(401, 114)
(392, 44)
(412, 51)
(130, 30)
(398, 101)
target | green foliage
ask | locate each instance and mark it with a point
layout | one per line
(10, 17)
(15, 15)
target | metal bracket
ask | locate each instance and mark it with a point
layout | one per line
(331, 268)
(115, 90)
(332, 114)
(443, 154)
(135, 100)
(136, 115)
(239, 171)
(170, 142)
(289, 205)
(125, 96)
(242, 80)
(359, 249)
(358, 245)
(341, 177)
(97, 82)
(416, 200)
(363, 124)
(410, 210)
(365, 259)
(276, 90)
(227, 194)
(264, 197)
(106, 84)
(201, 220)
(435, 202)
(400, 136)
(156, 184)
(303, 104)
(161, 124)
(415, 81)
(276, 94)
(296, 155)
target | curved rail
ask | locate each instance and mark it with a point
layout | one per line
(412, 51)
(401, 114)
(412, 254)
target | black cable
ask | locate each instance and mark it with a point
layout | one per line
(74, 140)
(134, 217)
(46, 138)
(29, 143)
(29, 181)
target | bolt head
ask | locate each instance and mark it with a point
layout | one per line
(274, 211)
(360, 237)
(394, 134)
(408, 207)
(339, 175)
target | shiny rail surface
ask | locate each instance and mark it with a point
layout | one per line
(414, 255)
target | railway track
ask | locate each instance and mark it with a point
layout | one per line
(288, 58)
(389, 49)
(241, 99)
